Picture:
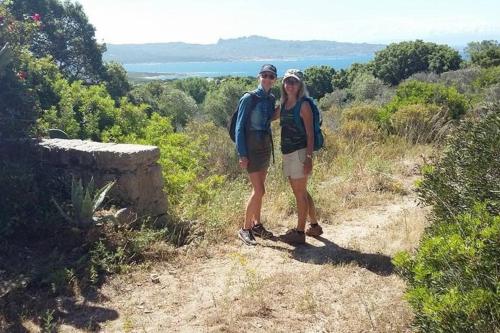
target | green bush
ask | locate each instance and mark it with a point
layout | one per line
(367, 87)
(469, 170)
(485, 53)
(362, 112)
(221, 101)
(416, 92)
(420, 123)
(454, 276)
(337, 98)
(488, 77)
(167, 101)
(357, 130)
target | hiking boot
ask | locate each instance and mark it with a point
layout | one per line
(247, 237)
(292, 236)
(314, 230)
(260, 231)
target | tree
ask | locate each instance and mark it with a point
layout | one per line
(343, 79)
(166, 101)
(485, 53)
(221, 102)
(318, 80)
(197, 87)
(66, 35)
(366, 87)
(399, 61)
(116, 80)
(17, 105)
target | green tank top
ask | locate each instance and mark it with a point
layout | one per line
(292, 137)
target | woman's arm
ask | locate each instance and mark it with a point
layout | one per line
(277, 112)
(307, 117)
(241, 121)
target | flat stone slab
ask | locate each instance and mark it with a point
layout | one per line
(99, 155)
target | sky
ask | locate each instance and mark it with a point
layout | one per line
(455, 22)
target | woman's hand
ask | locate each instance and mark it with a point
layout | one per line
(243, 162)
(277, 112)
(308, 166)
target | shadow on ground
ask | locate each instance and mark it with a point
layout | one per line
(30, 282)
(331, 253)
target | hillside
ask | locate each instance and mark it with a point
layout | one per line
(244, 48)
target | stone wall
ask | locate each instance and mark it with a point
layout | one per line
(139, 181)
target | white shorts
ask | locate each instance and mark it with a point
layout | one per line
(293, 164)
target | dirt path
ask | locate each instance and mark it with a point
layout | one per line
(340, 282)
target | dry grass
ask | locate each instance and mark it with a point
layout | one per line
(325, 299)
(342, 282)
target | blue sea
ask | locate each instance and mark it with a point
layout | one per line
(170, 70)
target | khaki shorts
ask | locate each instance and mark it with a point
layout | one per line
(293, 164)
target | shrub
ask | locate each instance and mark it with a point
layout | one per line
(415, 92)
(366, 87)
(318, 80)
(221, 102)
(429, 77)
(485, 53)
(492, 95)
(361, 112)
(338, 98)
(462, 79)
(165, 101)
(420, 123)
(453, 278)
(196, 87)
(488, 77)
(357, 130)
(469, 170)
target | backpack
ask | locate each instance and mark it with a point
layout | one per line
(232, 121)
(319, 139)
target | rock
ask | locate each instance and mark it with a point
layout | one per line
(155, 278)
(135, 168)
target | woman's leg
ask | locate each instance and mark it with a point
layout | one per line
(262, 181)
(311, 209)
(254, 204)
(299, 187)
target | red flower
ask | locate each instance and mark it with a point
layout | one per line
(36, 17)
(22, 75)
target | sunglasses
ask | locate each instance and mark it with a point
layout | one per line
(267, 76)
(291, 81)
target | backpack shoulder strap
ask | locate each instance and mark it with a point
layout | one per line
(296, 116)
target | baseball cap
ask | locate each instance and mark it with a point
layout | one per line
(268, 68)
(295, 73)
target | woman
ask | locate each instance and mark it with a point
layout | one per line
(253, 143)
(297, 143)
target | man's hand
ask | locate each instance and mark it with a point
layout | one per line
(243, 162)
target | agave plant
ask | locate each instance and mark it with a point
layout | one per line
(85, 201)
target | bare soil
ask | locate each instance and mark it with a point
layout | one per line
(342, 281)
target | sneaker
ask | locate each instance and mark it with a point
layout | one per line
(292, 236)
(314, 230)
(247, 237)
(260, 231)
